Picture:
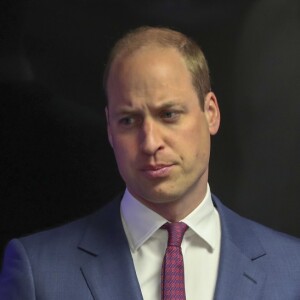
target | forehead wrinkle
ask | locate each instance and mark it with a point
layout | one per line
(152, 85)
(151, 108)
(155, 93)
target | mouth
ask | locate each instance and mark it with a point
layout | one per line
(157, 171)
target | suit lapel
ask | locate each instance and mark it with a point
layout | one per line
(108, 269)
(107, 265)
(239, 276)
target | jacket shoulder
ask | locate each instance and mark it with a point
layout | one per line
(68, 235)
(245, 231)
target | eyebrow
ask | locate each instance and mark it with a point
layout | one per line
(126, 109)
(169, 104)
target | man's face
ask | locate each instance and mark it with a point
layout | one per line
(158, 131)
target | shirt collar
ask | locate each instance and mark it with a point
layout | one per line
(204, 220)
(140, 222)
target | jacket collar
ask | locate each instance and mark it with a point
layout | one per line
(108, 259)
(239, 275)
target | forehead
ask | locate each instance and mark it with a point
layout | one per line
(150, 77)
(148, 62)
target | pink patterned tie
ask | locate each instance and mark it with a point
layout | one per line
(172, 275)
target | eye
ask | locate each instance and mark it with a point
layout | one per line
(170, 115)
(126, 121)
(130, 121)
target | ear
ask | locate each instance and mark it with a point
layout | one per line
(108, 127)
(212, 112)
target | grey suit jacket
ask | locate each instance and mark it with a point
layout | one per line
(90, 259)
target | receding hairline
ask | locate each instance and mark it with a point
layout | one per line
(144, 37)
(151, 48)
(149, 36)
(163, 37)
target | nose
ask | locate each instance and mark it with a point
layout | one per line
(150, 138)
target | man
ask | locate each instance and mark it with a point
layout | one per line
(160, 115)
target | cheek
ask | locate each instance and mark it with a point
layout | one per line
(197, 143)
(124, 150)
(123, 161)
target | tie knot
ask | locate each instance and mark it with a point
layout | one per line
(176, 231)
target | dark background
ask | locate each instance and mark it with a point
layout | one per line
(56, 164)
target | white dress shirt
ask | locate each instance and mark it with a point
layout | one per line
(148, 242)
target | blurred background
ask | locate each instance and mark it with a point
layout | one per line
(55, 161)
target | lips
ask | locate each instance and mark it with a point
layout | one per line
(157, 171)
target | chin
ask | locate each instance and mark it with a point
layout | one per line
(162, 196)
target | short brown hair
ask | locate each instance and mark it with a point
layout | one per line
(165, 37)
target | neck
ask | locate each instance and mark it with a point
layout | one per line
(178, 209)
